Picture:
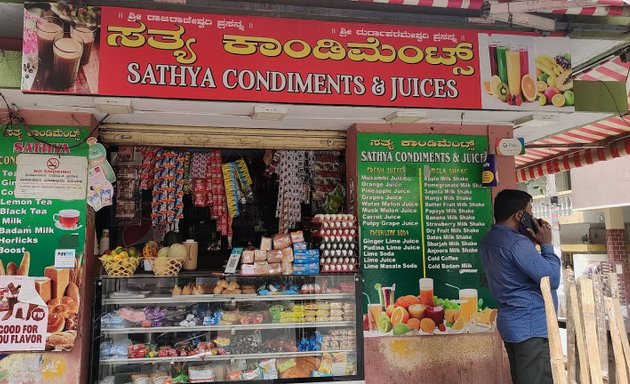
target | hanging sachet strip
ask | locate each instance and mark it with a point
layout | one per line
(245, 181)
(231, 188)
(147, 170)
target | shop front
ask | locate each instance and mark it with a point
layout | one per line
(263, 253)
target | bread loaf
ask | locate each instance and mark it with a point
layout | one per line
(43, 286)
(25, 264)
(72, 291)
(60, 279)
(12, 269)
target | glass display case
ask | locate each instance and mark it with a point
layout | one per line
(202, 328)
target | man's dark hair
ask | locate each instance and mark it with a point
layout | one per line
(508, 202)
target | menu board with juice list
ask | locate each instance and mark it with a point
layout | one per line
(422, 213)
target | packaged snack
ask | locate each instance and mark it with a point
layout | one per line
(297, 237)
(287, 255)
(284, 364)
(260, 255)
(286, 268)
(281, 241)
(275, 268)
(261, 268)
(248, 256)
(252, 374)
(275, 256)
(201, 373)
(269, 369)
(141, 379)
(299, 245)
(265, 243)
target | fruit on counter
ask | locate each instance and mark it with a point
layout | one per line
(177, 250)
(383, 324)
(442, 327)
(399, 315)
(480, 318)
(542, 99)
(417, 311)
(435, 313)
(389, 310)
(163, 252)
(401, 329)
(427, 325)
(445, 303)
(150, 250)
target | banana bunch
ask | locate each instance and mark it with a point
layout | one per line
(548, 65)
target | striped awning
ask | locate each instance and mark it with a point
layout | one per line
(549, 156)
(594, 8)
(455, 4)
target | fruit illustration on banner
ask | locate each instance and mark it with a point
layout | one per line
(554, 83)
(408, 316)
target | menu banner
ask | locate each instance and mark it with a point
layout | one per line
(115, 51)
(422, 213)
(42, 235)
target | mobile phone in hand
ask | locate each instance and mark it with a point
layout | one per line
(526, 220)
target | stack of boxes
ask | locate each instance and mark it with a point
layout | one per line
(290, 255)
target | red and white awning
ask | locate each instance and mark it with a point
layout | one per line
(456, 4)
(548, 159)
(574, 160)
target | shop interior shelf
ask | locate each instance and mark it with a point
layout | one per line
(209, 357)
(180, 299)
(230, 327)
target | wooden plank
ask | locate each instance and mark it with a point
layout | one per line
(579, 334)
(569, 278)
(600, 317)
(588, 312)
(621, 374)
(623, 336)
(553, 333)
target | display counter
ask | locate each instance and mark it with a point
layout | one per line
(286, 328)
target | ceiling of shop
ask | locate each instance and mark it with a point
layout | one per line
(237, 114)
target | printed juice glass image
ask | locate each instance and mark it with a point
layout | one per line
(524, 53)
(501, 64)
(492, 52)
(426, 291)
(374, 312)
(67, 58)
(388, 296)
(86, 34)
(513, 62)
(47, 29)
(468, 302)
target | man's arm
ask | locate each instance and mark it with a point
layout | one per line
(537, 265)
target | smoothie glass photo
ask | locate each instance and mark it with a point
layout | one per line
(426, 291)
(388, 296)
(468, 302)
(513, 63)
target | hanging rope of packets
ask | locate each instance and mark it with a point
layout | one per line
(187, 177)
(198, 173)
(167, 204)
(291, 173)
(230, 180)
(217, 198)
(148, 167)
(244, 181)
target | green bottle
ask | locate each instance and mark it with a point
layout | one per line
(501, 64)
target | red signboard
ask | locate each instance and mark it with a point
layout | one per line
(149, 53)
(220, 57)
